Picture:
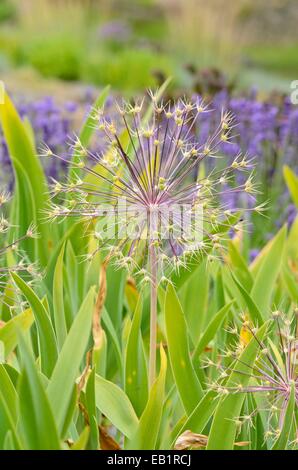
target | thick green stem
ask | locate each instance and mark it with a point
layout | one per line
(153, 316)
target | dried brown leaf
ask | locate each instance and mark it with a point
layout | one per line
(106, 441)
(101, 297)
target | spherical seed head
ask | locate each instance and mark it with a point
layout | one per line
(145, 190)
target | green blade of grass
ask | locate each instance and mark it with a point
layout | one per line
(188, 385)
(46, 335)
(37, 423)
(67, 367)
(150, 421)
(116, 406)
(9, 332)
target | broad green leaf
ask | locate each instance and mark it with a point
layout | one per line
(239, 267)
(113, 338)
(9, 443)
(188, 385)
(114, 299)
(149, 425)
(116, 406)
(37, 424)
(292, 248)
(199, 418)
(58, 301)
(82, 441)
(88, 128)
(7, 424)
(211, 330)
(136, 379)
(8, 408)
(194, 299)
(91, 408)
(46, 335)
(254, 312)
(292, 183)
(9, 332)
(8, 392)
(268, 272)
(223, 430)
(67, 367)
(30, 182)
(291, 284)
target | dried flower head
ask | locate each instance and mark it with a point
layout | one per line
(272, 376)
(148, 191)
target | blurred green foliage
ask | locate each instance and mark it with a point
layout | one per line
(133, 45)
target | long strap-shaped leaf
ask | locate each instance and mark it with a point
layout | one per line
(37, 423)
(136, 380)
(31, 196)
(149, 425)
(66, 370)
(116, 406)
(268, 272)
(46, 335)
(188, 385)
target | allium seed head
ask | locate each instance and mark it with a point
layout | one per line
(149, 188)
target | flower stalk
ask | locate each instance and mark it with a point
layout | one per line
(153, 315)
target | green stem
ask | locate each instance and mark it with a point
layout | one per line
(153, 316)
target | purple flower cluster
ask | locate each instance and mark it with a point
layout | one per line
(268, 132)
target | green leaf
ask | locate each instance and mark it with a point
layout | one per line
(8, 392)
(223, 430)
(37, 424)
(113, 337)
(292, 183)
(254, 312)
(268, 272)
(9, 332)
(188, 385)
(211, 330)
(46, 335)
(290, 283)
(8, 408)
(150, 421)
(114, 300)
(82, 441)
(30, 183)
(67, 367)
(116, 406)
(91, 408)
(239, 267)
(58, 301)
(199, 418)
(194, 300)
(89, 127)
(136, 379)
